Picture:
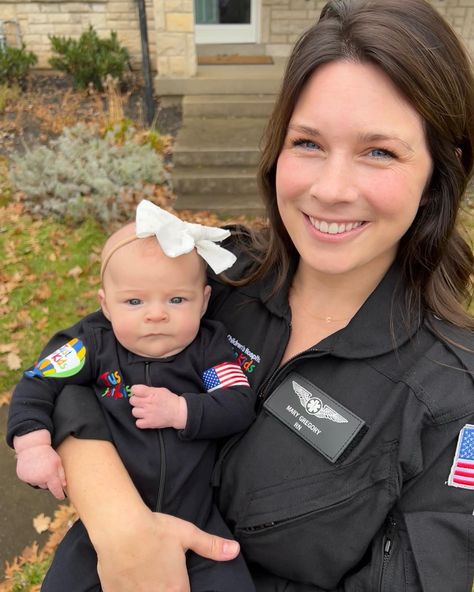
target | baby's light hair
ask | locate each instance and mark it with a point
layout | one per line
(127, 235)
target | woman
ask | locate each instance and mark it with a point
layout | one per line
(349, 315)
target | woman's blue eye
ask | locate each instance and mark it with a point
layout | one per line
(309, 144)
(381, 153)
(134, 301)
(177, 300)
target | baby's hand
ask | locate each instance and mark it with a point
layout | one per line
(38, 463)
(158, 408)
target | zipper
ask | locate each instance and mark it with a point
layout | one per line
(250, 529)
(275, 523)
(279, 374)
(387, 547)
(161, 443)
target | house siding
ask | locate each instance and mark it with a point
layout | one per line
(282, 21)
(40, 19)
(171, 26)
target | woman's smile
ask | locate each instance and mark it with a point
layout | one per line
(331, 227)
(350, 181)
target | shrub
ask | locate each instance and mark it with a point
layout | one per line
(15, 64)
(8, 94)
(89, 59)
(82, 174)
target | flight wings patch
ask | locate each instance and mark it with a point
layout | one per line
(314, 405)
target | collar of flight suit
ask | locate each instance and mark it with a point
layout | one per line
(381, 325)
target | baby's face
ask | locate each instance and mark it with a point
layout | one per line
(154, 302)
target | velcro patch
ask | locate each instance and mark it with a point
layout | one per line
(314, 416)
(67, 360)
(462, 471)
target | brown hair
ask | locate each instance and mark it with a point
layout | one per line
(417, 49)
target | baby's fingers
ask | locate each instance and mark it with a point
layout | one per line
(138, 412)
(141, 390)
(55, 486)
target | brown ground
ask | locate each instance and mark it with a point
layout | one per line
(49, 103)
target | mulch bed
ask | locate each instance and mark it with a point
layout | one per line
(49, 103)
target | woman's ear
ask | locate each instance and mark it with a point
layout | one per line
(103, 303)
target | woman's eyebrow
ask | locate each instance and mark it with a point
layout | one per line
(304, 129)
(385, 138)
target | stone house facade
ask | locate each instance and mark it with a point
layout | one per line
(177, 28)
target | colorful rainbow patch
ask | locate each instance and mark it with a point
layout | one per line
(65, 361)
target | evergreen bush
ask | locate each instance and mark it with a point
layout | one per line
(8, 94)
(89, 59)
(15, 64)
(81, 174)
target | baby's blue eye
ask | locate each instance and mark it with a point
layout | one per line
(134, 301)
(176, 300)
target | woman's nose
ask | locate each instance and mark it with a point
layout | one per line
(334, 182)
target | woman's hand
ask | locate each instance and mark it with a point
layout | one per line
(152, 557)
(138, 550)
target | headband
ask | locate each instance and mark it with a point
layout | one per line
(177, 237)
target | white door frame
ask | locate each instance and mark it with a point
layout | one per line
(229, 33)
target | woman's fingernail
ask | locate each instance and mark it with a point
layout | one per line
(230, 547)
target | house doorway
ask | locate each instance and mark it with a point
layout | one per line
(226, 21)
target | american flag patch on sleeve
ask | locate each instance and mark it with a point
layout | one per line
(462, 471)
(223, 376)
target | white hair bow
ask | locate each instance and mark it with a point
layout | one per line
(177, 237)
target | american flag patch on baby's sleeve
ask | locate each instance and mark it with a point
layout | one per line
(462, 471)
(223, 376)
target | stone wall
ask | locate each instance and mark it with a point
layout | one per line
(282, 21)
(40, 18)
(171, 25)
(176, 50)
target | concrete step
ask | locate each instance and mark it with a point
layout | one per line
(216, 157)
(225, 205)
(214, 181)
(226, 133)
(218, 142)
(212, 49)
(228, 79)
(249, 106)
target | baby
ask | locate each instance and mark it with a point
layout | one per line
(149, 332)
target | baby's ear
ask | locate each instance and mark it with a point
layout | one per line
(103, 303)
(207, 295)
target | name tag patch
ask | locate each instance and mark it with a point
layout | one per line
(313, 415)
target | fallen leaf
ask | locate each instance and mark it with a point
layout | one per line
(42, 324)
(41, 523)
(23, 318)
(8, 347)
(13, 361)
(30, 554)
(5, 398)
(75, 272)
(43, 292)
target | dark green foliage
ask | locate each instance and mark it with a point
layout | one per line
(15, 64)
(89, 59)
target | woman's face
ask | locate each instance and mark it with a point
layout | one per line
(352, 170)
